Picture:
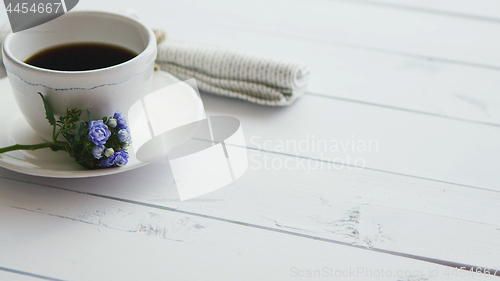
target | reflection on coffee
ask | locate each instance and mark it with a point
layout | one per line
(80, 56)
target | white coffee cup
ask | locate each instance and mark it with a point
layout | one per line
(102, 91)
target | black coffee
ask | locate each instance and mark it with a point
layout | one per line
(80, 56)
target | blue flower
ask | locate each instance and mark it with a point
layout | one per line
(112, 122)
(97, 151)
(98, 132)
(120, 120)
(124, 135)
(109, 152)
(119, 159)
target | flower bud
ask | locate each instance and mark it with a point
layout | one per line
(97, 151)
(109, 152)
(124, 135)
(112, 122)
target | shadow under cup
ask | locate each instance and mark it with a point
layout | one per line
(102, 91)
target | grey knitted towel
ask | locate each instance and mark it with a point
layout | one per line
(234, 73)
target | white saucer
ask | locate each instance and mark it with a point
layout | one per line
(46, 163)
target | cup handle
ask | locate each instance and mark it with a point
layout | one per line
(4, 30)
(129, 12)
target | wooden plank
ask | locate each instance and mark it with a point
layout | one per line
(374, 210)
(65, 234)
(376, 138)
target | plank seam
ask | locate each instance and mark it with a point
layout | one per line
(365, 48)
(421, 10)
(28, 274)
(371, 169)
(402, 109)
(354, 166)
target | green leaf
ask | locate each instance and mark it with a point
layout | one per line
(90, 116)
(80, 131)
(48, 111)
(85, 131)
(77, 134)
(56, 147)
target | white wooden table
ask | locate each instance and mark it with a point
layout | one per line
(420, 79)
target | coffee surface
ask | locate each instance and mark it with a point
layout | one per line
(80, 56)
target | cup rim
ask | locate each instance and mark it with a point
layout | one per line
(151, 44)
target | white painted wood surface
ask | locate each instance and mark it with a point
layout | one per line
(421, 78)
(117, 240)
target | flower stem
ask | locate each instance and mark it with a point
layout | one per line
(32, 146)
